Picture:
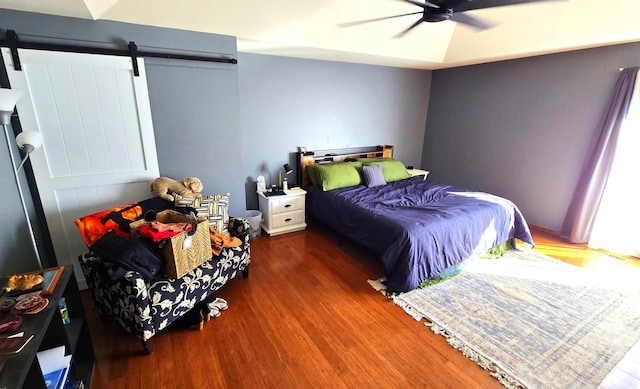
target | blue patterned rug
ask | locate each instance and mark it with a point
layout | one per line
(534, 321)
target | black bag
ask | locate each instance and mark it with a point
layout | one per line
(127, 254)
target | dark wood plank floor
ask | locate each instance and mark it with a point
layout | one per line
(306, 318)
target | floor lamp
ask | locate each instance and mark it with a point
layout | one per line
(27, 141)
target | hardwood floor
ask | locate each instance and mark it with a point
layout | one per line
(307, 318)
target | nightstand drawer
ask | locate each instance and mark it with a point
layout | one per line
(287, 219)
(287, 204)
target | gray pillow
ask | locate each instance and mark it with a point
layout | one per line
(373, 175)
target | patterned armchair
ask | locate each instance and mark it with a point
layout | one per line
(144, 309)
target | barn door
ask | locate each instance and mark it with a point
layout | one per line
(99, 149)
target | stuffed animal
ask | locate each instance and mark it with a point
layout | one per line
(165, 187)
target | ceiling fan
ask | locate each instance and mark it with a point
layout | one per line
(440, 10)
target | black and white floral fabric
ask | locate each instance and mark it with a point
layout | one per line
(144, 309)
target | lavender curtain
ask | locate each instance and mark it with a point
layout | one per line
(578, 222)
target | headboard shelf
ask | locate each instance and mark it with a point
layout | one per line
(306, 158)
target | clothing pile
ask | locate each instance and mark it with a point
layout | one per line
(158, 231)
(220, 241)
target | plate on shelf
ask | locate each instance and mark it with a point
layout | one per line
(37, 308)
(28, 302)
(10, 323)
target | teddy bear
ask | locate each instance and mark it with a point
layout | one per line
(165, 187)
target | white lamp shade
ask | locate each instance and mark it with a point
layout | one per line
(29, 138)
(8, 99)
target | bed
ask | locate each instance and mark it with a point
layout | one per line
(420, 229)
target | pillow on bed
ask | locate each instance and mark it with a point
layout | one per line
(338, 175)
(392, 169)
(313, 174)
(373, 175)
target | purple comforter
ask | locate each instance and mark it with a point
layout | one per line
(419, 228)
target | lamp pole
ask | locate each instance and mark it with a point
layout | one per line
(5, 120)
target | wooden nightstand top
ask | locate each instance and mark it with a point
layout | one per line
(295, 191)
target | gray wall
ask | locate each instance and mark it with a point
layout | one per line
(195, 117)
(288, 102)
(521, 128)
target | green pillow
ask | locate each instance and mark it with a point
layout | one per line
(313, 174)
(392, 169)
(338, 175)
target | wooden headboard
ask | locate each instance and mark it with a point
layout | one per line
(306, 158)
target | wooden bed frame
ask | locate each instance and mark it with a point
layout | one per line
(306, 158)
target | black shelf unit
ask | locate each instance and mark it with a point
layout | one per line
(22, 370)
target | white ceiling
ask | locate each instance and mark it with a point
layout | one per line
(309, 28)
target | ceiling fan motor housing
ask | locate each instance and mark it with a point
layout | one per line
(433, 15)
(434, 11)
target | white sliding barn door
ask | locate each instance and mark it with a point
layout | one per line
(99, 149)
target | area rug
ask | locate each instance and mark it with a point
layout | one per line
(534, 321)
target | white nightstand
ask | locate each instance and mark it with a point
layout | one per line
(284, 213)
(418, 172)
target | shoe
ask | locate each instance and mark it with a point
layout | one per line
(191, 319)
(215, 312)
(219, 303)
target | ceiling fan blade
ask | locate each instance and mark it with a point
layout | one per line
(424, 4)
(414, 25)
(358, 22)
(480, 4)
(472, 21)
